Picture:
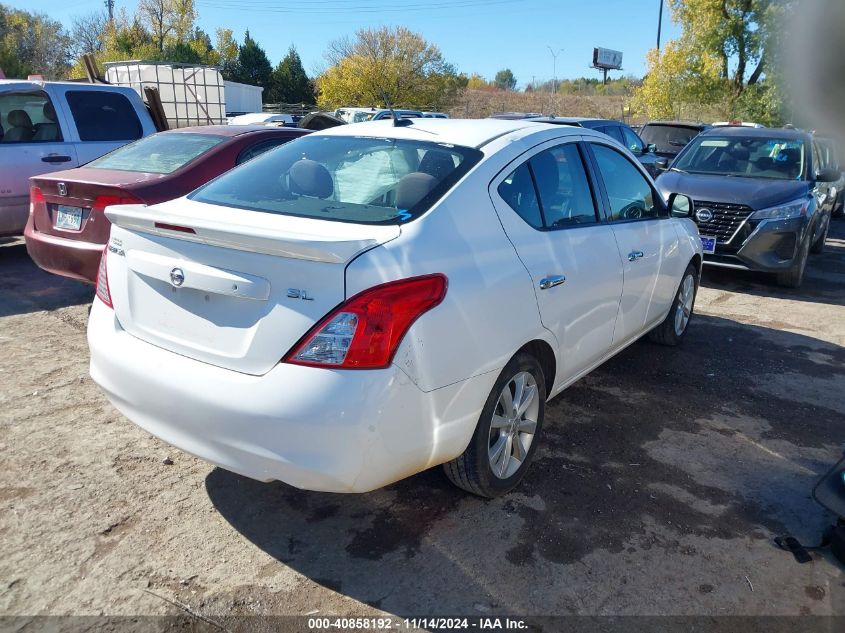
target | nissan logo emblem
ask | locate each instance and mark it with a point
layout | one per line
(703, 215)
(177, 277)
(62, 187)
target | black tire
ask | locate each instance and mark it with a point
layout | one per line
(472, 470)
(795, 275)
(667, 333)
(818, 246)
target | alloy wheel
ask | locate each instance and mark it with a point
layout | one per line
(513, 425)
(683, 310)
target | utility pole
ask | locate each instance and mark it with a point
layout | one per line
(110, 6)
(659, 24)
(554, 71)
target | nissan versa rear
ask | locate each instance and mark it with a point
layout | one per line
(377, 299)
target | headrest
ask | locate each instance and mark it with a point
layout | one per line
(788, 155)
(19, 118)
(545, 171)
(412, 188)
(438, 164)
(740, 153)
(49, 112)
(310, 178)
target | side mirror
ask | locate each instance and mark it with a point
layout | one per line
(651, 148)
(680, 206)
(827, 174)
(662, 164)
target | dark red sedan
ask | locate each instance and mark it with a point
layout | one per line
(67, 229)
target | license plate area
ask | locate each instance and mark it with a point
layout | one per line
(68, 218)
(708, 244)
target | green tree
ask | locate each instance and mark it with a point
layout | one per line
(389, 61)
(504, 79)
(171, 20)
(227, 51)
(289, 83)
(253, 66)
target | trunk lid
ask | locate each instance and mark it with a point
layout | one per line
(229, 287)
(77, 191)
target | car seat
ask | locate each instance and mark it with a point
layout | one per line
(788, 162)
(20, 130)
(310, 179)
(48, 131)
(412, 188)
(438, 164)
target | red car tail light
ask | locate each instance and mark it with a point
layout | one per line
(36, 196)
(101, 202)
(365, 331)
(103, 292)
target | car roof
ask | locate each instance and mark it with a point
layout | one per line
(569, 120)
(29, 84)
(231, 130)
(466, 132)
(693, 124)
(757, 132)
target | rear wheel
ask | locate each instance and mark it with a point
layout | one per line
(671, 332)
(507, 432)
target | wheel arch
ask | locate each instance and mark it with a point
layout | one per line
(545, 355)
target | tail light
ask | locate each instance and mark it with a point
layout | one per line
(103, 279)
(365, 331)
(36, 196)
(101, 202)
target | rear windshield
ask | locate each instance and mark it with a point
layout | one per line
(344, 178)
(669, 139)
(159, 153)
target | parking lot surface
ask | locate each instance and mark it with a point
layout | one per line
(659, 484)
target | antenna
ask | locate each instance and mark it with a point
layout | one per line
(397, 122)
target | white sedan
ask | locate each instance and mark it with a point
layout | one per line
(376, 299)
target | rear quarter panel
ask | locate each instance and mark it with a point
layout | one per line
(490, 310)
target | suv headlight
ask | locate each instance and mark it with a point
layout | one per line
(794, 209)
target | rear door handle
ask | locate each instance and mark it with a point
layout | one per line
(634, 255)
(55, 158)
(551, 282)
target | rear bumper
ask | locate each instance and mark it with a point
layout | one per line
(772, 247)
(317, 429)
(70, 258)
(13, 215)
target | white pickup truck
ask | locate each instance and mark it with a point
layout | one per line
(49, 126)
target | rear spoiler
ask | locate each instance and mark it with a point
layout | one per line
(269, 241)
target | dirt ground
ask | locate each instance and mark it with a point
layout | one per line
(660, 482)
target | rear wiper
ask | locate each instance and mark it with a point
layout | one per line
(677, 143)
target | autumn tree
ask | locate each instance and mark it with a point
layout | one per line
(227, 50)
(167, 19)
(389, 62)
(32, 43)
(726, 51)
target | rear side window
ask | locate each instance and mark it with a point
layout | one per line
(103, 116)
(632, 141)
(161, 153)
(565, 195)
(28, 117)
(630, 194)
(256, 149)
(612, 131)
(669, 139)
(344, 178)
(519, 192)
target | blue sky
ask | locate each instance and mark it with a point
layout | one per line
(480, 36)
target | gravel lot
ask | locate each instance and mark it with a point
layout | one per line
(661, 479)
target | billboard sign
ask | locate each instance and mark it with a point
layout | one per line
(607, 58)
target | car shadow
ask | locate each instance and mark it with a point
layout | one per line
(824, 277)
(686, 451)
(25, 288)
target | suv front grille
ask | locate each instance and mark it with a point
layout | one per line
(727, 218)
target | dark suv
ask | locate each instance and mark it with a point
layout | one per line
(670, 137)
(762, 197)
(616, 130)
